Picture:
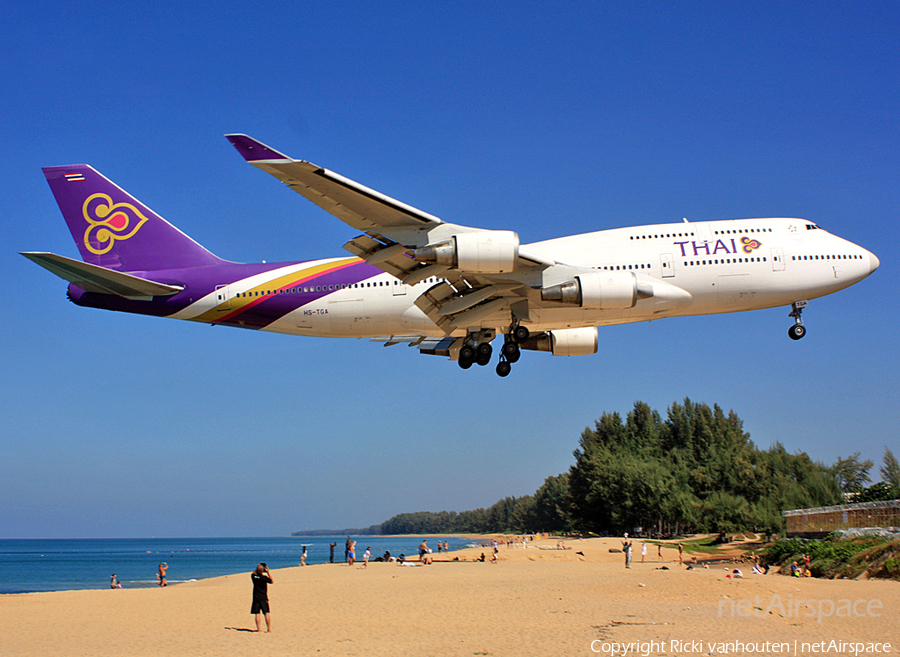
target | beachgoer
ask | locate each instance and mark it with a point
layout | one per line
(366, 556)
(331, 547)
(351, 554)
(658, 552)
(114, 584)
(680, 552)
(423, 549)
(347, 549)
(446, 547)
(643, 551)
(261, 578)
(628, 555)
(303, 556)
(161, 575)
(795, 570)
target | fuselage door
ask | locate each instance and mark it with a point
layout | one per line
(223, 299)
(667, 262)
(777, 259)
(399, 288)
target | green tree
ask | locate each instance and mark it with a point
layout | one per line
(551, 505)
(890, 471)
(697, 470)
(852, 473)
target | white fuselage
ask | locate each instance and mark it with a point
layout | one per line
(694, 268)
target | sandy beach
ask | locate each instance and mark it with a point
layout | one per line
(535, 601)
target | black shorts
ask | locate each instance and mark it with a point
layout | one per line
(259, 606)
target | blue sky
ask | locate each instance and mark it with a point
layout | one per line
(542, 118)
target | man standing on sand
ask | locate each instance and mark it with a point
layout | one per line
(261, 578)
(331, 552)
(161, 575)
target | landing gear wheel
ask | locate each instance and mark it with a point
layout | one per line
(796, 332)
(466, 357)
(511, 351)
(521, 333)
(503, 368)
(483, 353)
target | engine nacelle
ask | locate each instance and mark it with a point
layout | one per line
(602, 290)
(565, 342)
(482, 251)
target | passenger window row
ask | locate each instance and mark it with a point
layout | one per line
(325, 288)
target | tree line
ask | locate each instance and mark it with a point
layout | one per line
(694, 471)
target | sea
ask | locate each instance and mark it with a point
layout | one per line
(32, 565)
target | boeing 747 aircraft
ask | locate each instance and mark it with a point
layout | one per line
(444, 288)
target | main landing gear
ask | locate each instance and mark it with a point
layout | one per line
(797, 331)
(477, 349)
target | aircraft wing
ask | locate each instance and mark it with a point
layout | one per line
(357, 205)
(92, 278)
(396, 233)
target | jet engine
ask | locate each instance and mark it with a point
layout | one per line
(602, 290)
(482, 251)
(565, 342)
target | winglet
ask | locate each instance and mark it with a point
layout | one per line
(255, 151)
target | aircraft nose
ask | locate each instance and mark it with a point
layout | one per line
(873, 261)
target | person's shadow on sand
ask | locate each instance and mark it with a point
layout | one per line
(240, 629)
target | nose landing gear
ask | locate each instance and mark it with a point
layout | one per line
(797, 331)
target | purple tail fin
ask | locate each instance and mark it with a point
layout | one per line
(114, 230)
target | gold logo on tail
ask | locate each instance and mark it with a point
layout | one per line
(108, 222)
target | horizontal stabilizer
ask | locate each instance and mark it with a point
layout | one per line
(92, 278)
